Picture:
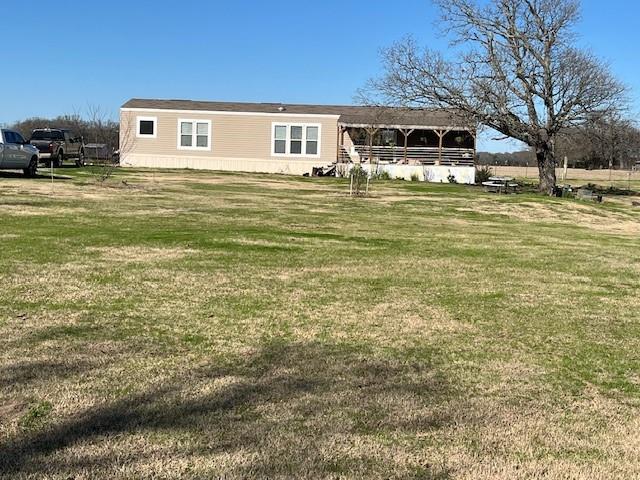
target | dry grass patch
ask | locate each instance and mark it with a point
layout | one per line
(141, 254)
(568, 213)
(43, 211)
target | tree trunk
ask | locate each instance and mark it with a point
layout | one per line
(546, 168)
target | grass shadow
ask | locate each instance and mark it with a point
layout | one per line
(295, 410)
(27, 372)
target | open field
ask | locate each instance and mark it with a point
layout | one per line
(199, 325)
(578, 176)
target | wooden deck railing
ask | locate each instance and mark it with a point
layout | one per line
(413, 155)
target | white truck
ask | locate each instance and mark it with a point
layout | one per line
(17, 154)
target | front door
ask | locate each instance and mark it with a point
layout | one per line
(24, 156)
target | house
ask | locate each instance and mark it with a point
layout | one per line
(282, 138)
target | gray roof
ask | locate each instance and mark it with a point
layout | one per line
(348, 114)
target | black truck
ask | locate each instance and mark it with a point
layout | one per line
(58, 144)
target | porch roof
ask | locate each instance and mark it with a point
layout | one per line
(347, 115)
(402, 118)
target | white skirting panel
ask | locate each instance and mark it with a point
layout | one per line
(258, 165)
(426, 173)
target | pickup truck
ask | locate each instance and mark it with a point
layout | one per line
(57, 145)
(16, 153)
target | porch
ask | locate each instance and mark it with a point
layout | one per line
(405, 145)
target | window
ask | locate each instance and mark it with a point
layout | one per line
(194, 134)
(296, 140)
(147, 127)
(13, 138)
(312, 141)
(10, 137)
(202, 135)
(280, 136)
(47, 135)
(186, 134)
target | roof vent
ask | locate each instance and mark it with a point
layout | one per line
(282, 108)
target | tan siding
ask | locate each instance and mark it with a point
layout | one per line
(246, 138)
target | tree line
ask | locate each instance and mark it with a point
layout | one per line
(601, 142)
(96, 128)
(598, 143)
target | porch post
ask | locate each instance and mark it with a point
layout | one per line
(406, 141)
(474, 134)
(406, 134)
(371, 131)
(440, 135)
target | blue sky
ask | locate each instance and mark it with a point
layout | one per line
(102, 53)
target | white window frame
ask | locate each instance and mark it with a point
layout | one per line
(194, 134)
(147, 119)
(288, 126)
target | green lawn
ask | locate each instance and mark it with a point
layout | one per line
(188, 324)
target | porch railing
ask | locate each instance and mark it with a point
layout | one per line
(413, 155)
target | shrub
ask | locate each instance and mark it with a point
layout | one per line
(358, 180)
(415, 177)
(382, 175)
(483, 173)
(452, 178)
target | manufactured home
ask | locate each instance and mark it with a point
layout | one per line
(432, 145)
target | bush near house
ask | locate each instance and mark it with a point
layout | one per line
(483, 173)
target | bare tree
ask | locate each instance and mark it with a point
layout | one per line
(520, 73)
(608, 141)
(127, 134)
(95, 126)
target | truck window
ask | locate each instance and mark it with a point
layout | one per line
(9, 137)
(47, 135)
(41, 135)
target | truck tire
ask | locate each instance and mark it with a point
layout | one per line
(57, 160)
(32, 169)
(80, 159)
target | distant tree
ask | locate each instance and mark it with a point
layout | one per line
(94, 127)
(609, 141)
(72, 122)
(518, 159)
(521, 75)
